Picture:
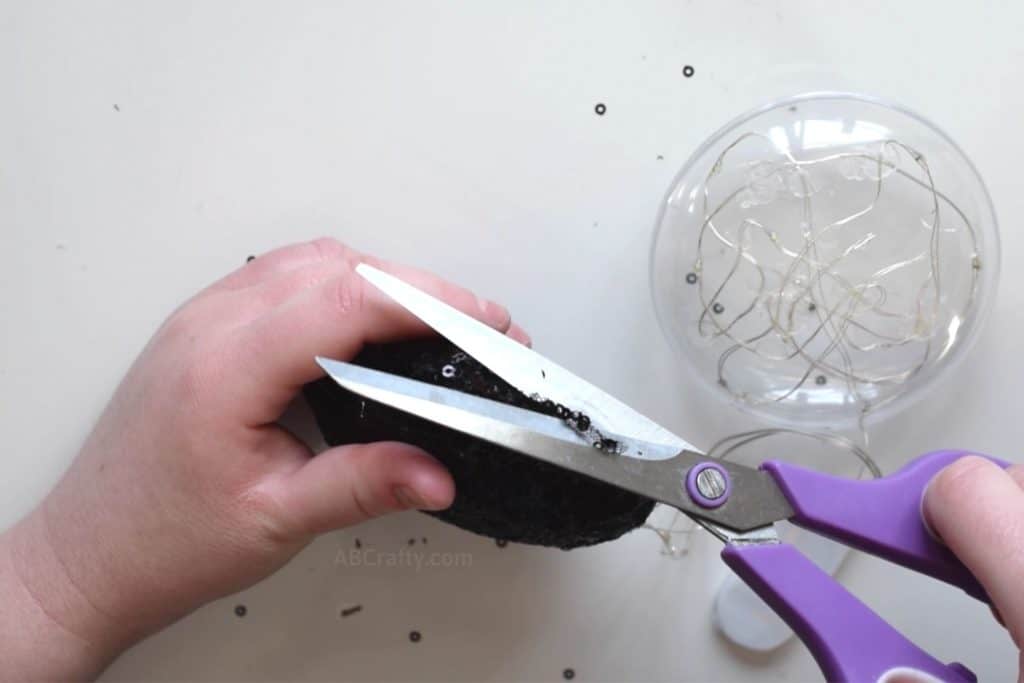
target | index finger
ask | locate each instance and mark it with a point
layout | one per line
(276, 352)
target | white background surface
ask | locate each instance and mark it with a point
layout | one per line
(462, 137)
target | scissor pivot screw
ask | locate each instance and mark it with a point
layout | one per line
(708, 484)
(711, 483)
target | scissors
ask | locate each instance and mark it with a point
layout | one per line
(594, 434)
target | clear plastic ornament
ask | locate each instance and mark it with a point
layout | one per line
(824, 257)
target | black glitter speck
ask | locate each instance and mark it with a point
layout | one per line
(349, 611)
(412, 541)
(241, 610)
(688, 71)
(600, 109)
(718, 308)
(117, 108)
(691, 278)
(820, 379)
(812, 307)
(359, 544)
(250, 258)
(569, 674)
(415, 636)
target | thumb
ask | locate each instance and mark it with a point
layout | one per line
(350, 484)
(977, 509)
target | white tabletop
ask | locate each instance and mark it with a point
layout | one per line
(147, 148)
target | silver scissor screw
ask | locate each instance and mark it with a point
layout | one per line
(711, 483)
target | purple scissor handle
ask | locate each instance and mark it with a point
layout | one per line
(882, 517)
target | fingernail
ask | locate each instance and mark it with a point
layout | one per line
(409, 498)
(921, 510)
(493, 311)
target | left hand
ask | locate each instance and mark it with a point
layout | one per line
(187, 489)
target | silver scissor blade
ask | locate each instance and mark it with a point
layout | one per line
(398, 392)
(524, 368)
(551, 440)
